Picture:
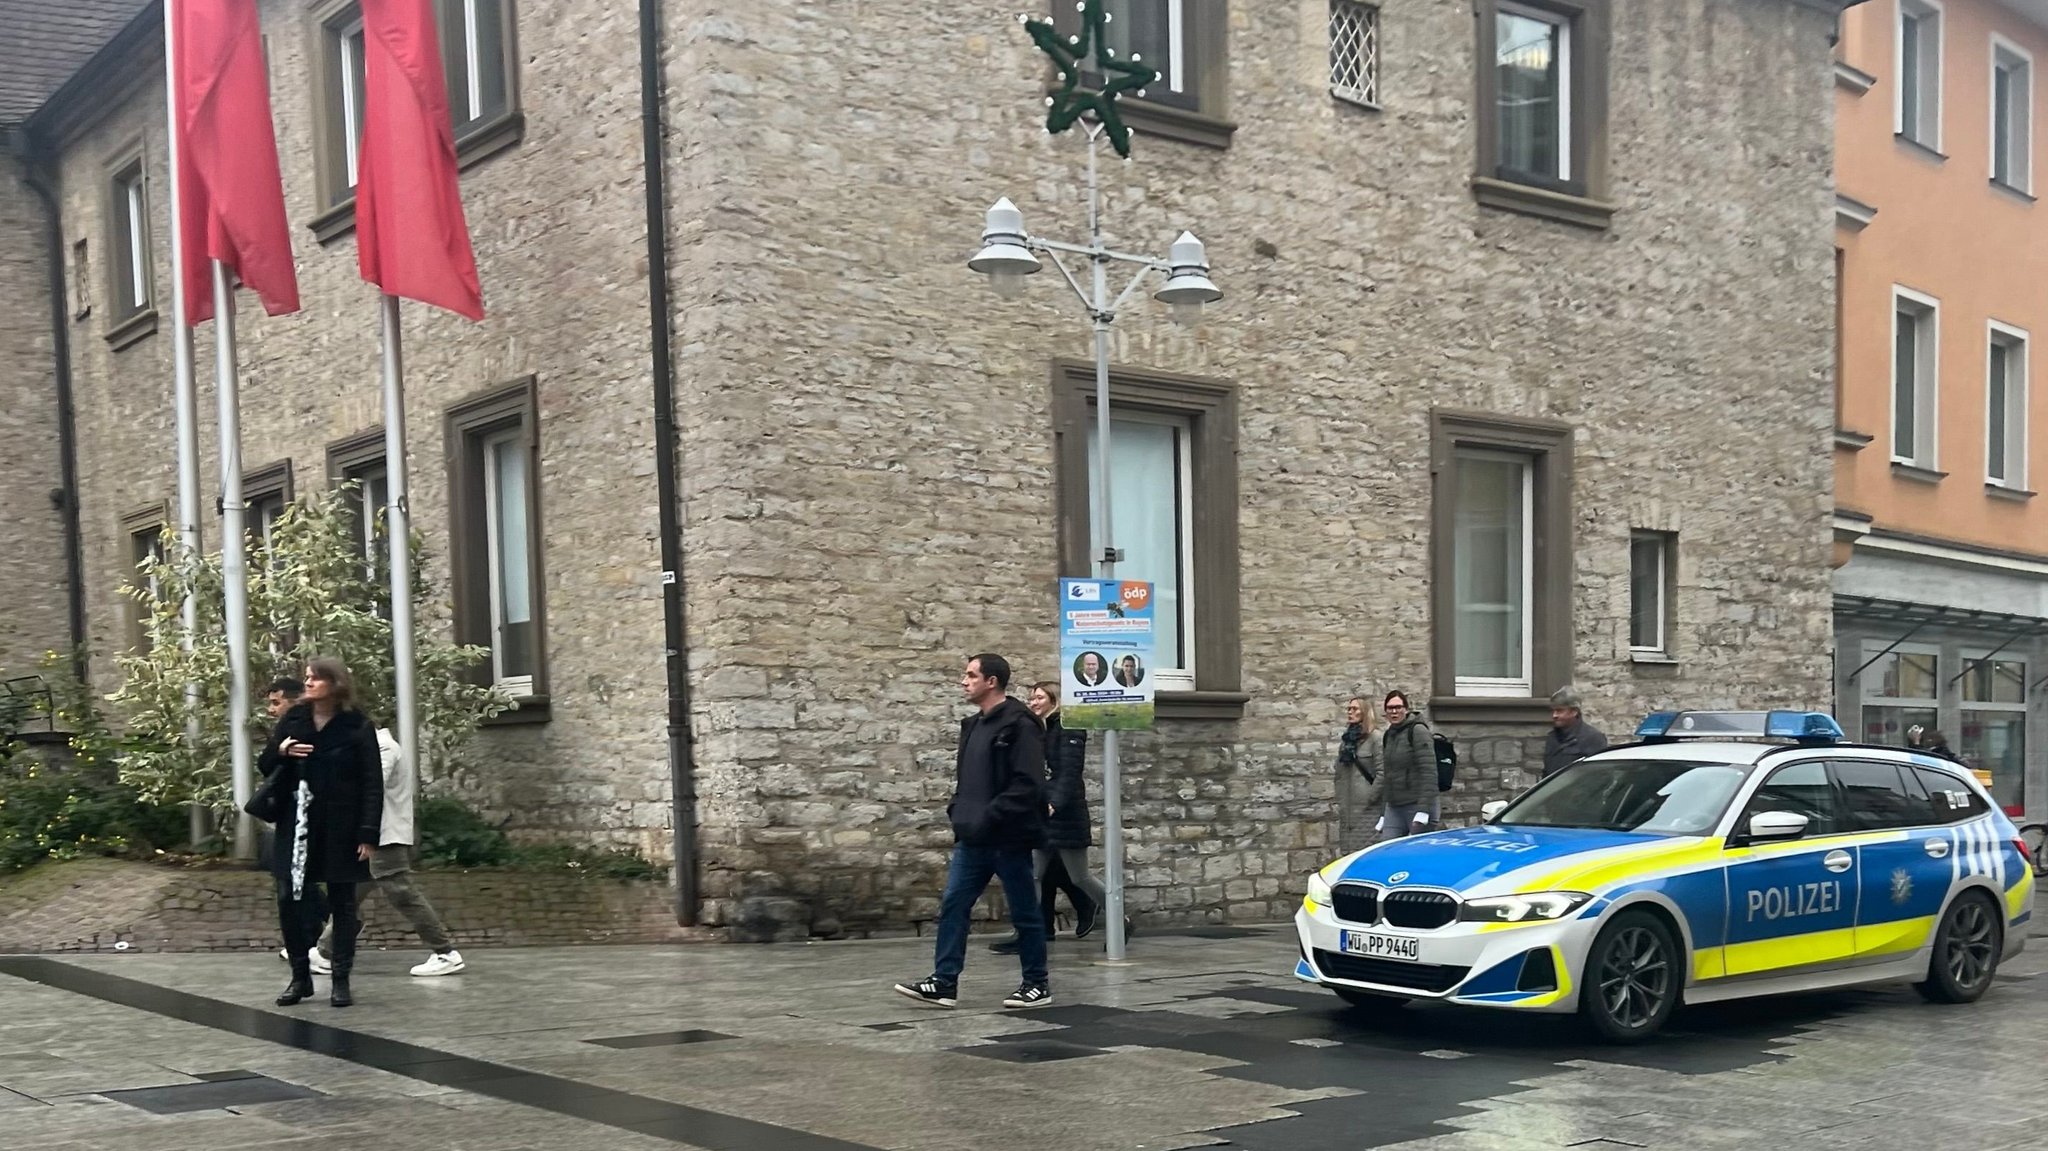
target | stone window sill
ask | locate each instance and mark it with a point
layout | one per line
(1853, 440)
(1916, 146)
(2013, 190)
(1852, 78)
(2002, 492)
(1652, 659)
(1916, 473)
(132, 330)
(1542, 202)
(1224, 705)
(525, 710)
(481, 144)
(1474, 709)
(1181, 124)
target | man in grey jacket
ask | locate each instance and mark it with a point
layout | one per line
(1407, 771)
(1571, 737)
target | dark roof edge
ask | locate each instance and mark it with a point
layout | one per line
(147, 27)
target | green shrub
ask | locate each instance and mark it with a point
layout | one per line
(452, 834)
(70, 815)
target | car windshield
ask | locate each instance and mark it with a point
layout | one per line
(1658, 796)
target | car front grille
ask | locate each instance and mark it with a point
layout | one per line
(1355, 903)
(1428, 977)
(1420, 910)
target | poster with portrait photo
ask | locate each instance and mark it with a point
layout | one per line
(1106, 654)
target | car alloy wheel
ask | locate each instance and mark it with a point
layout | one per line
(1632, 981)
(1966, 950)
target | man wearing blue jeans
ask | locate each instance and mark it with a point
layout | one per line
(998, 818)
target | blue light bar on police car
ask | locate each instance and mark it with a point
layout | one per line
(1817, 726)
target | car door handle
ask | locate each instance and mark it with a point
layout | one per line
(1837, 861)
(1938, 848)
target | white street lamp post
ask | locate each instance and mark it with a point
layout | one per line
(1008, 254)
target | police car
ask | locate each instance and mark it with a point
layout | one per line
(1726, 855)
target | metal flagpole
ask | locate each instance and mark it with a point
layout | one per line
(1105, 567)
(187, 402)
(233, 553)
(398, 536)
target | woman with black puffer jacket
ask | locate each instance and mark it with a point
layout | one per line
(1063, 862)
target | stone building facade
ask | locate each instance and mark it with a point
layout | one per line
(1565, 397)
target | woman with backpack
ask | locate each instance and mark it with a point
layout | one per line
(1408, 771)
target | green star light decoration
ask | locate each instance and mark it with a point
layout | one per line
(1068, 54)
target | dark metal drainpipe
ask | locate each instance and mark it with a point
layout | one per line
(64, 498)
(682, 769)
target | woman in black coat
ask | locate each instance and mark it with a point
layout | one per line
(323, 765)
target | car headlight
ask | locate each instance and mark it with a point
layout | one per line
(1522, 908)
(1318, 889)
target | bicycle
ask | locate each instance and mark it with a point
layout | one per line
(2035, 836)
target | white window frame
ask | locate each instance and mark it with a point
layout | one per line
(1566, 37)
(1926, 380)
(2006, 54)
(1662, 542)
(1362, 61)
(351, 100)
(1870, 684)
(1166, 678)
(135, 228)
(2019, 372)
(1928, 86)
(1488, 687)
(516, 686)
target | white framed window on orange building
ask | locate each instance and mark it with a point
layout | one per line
(1916, 100)
(2005, 407)
(1916, 356)
(2012, 116)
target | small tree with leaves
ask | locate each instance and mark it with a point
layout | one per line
(312, 591)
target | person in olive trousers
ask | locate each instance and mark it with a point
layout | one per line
(323, 763)
(1407, 771)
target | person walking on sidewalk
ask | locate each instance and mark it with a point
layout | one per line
(391, 870)
(1407, 771)
(998, 818)
(1571, 738)
(1062, 864)
(322, 762)
(1359, 757)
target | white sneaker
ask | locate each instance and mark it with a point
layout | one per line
(320, 963)
(440, 963)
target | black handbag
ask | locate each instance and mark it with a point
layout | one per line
(267, 803)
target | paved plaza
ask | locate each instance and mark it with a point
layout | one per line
(1206, 1041)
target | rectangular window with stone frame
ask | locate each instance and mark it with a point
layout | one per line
(1916, 357)
(479, 62)
(2005, 406)
(1916, 106)
(1185, 42)
(1542, 108)
(2012, 116)
(131, 278)
(1652, 585)
(1355, 52)
(142, 533)
(265, 493)
(355, 465)
(495, 540)
(1173, 491)
(1500, 558)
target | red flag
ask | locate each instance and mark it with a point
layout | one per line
(231, 198)
(411, 238)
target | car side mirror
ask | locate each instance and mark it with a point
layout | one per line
(1491, 811)
(1768, 826)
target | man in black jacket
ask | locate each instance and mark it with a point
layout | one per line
(998, 817)
(1571, 738)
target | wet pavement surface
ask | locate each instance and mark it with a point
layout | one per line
(1205, 1041)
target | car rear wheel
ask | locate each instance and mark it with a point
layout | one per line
(1966, 951)
(1632, 978)
(1367, 1001)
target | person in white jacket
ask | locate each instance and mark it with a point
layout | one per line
(391, 869)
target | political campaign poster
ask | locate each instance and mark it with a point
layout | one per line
(1106, 654)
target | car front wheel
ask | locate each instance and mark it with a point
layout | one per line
(1966, 951)
(1632, 978)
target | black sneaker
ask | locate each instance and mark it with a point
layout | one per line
(930, 991)
(1030, 995)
